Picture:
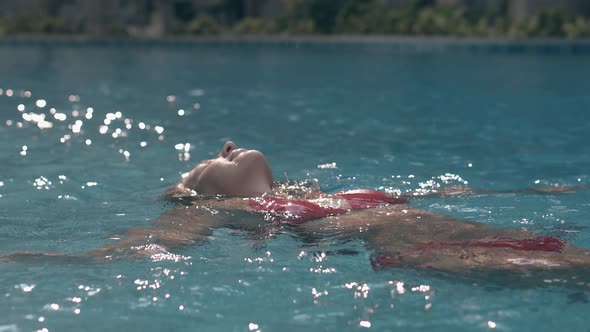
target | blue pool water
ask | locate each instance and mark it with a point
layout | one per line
(387, 119)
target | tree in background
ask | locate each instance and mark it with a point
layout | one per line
(156, 18)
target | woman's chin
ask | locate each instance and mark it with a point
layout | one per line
(250, 156)
(260, 189)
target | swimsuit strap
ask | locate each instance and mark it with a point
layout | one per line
(297, 211)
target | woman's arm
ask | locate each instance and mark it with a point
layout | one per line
(402, 236)
(182, 226)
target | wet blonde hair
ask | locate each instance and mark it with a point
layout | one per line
(306, 189)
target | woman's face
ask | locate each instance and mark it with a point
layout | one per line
(235, 172)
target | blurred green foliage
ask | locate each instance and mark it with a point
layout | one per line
(203, 25)
(255, 26)
(38, 25)
(578, 28)
(351, 17)
(423, 18)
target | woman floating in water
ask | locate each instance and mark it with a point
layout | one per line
(237, 190)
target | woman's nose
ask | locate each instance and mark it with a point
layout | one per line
(228, 147)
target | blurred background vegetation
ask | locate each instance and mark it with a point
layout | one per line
(160, 18)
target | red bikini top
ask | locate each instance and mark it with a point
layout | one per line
(298, 211)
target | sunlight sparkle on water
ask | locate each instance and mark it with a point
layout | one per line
(65, 138)
(26, 288)
(41, 103)
(365, 323)
(90, 291)
(361, 290)
(328, 166)
(77, 126)
(42, 183)
(125, 153)
(60, 116)
(399, 287)
(421, 288)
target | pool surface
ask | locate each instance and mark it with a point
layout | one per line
(122, 123)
